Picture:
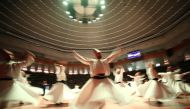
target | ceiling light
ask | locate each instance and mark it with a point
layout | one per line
(102, 2)
(103, 7)
(65, 3)
(84, 11)
(101, 15)
(67, 12)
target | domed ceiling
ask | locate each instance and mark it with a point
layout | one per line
(43, 27)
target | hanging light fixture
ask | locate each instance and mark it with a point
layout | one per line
(84, 11)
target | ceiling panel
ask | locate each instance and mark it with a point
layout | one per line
(130, 24)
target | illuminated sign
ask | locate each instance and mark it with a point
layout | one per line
(134, 54)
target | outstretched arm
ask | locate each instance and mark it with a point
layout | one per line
(162, 74)
(80, 58)
(9, 53)
(185, 73)
(142, 78)
(29, 59)
(115, 54)
(130, 76)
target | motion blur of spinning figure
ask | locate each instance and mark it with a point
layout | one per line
(137, 81)
(16, 89)
(174, 80)
(99, 87)
(23, 79)
(118, 74)
(118, 80)
(179, 85)
(137, 78)
(60, 92)
(153, 90)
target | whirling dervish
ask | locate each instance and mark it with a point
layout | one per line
(119, 80)
(99, 87)
(18, 91)
(137, 81)
(153, 90)
(59, 92)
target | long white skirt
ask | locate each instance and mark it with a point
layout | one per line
(156, 91)
(37, 90)
(95, 92)
(59, 93)
(133, 87)
(18, 91)
(125, 88)
(180, 87)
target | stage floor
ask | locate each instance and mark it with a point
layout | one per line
(180, 103)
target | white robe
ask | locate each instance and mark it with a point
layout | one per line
(19, 92)
(59, 92)
(16, 90)
(179, 86)
(120, 84)
(24, 81)
(174, 81)
(155, 90)
(96, 91)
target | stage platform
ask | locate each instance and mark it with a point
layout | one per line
(178, 103)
